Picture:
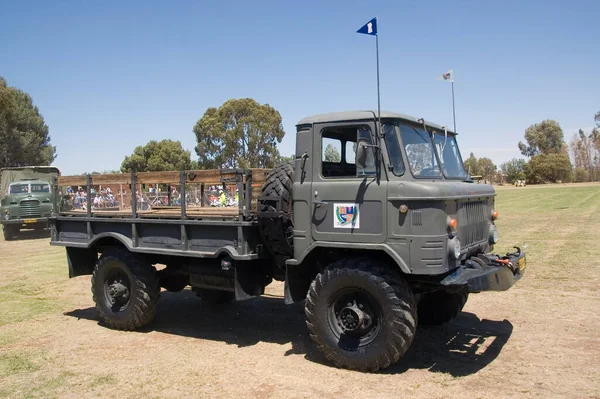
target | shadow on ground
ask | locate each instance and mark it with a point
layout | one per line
(460, 348)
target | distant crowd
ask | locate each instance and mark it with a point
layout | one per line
(105, 197)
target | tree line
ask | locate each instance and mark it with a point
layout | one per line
(242, 133)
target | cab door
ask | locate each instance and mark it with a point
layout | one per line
(348, 202)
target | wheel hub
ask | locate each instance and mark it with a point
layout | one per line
(352, 318)
(118, 292)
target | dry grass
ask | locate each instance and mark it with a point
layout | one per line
(539, 339)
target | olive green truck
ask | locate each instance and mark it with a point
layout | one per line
(375, 226)
(26, 198)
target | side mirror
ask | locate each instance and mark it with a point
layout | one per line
(361, 154)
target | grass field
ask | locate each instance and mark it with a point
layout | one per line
(539, 339)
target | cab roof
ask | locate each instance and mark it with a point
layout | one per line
(29, 181)
(352, 116)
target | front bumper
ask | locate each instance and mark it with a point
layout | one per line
(489, 272)
(26, 222)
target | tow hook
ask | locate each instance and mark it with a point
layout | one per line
(505, 261)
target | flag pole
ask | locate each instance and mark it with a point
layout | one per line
(378, 95)
(453, 109)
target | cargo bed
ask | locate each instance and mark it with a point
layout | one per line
(184, 230)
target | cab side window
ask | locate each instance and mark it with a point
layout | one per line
(338, 149)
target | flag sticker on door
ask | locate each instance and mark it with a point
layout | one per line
(346, 216)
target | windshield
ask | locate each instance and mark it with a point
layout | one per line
(19, 189)
(419, 150)
(40, 188)
(449, 154)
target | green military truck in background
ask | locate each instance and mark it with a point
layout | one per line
(26, 198)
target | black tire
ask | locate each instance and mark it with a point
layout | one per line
(384, 298)
(9, 232)
(215, 297)
(133, 306)
(440, 307)
(278, 231)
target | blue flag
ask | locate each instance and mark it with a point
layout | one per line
(370, 28)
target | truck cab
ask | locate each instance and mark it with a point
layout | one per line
(401, 189)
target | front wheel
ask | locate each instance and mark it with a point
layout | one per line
(9, 232)
(125, 289)
(361, 314)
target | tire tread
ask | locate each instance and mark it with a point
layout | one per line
(147, 286)
(397, 293)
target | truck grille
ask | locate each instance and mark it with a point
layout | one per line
(472, 222)
(30, 208)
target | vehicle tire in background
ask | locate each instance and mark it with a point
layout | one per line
(215, 297)
(125, 289)
(277, 231)
(9, 232)
(440, 307)
(361, 314)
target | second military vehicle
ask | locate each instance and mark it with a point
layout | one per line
(27, 198)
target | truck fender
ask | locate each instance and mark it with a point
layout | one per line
(125, 241)
(358, 246)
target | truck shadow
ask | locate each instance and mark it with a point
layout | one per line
(459, 348)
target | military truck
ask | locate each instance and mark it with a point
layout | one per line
(26, 198)
(375, 226)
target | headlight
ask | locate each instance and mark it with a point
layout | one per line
(493, 234)
(454, 247)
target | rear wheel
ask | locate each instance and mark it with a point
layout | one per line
(440, 307)
(125, 289)
(361, 315)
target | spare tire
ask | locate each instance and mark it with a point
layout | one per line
(277, 225)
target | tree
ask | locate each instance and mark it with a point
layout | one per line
(548, 168)
(483, 167)
(487, 168)
(24, 138)
(545, 137)
(332, 154)
(514, 170)
(281, 159)
(580, 175)
(157, 156)
(240, 133)
(472, 166)
(585, 153)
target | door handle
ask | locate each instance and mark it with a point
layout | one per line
(320, 202)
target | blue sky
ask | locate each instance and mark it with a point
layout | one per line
(111, 75)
